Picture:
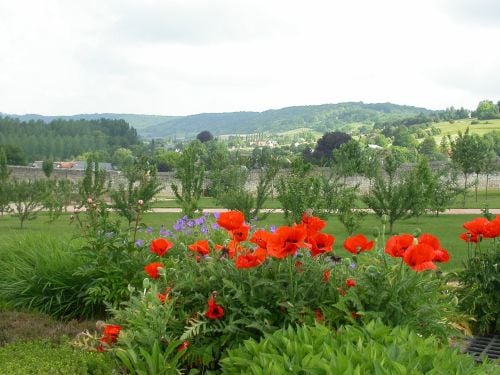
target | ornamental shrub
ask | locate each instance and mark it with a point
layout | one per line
(479, 281)
(371, 349)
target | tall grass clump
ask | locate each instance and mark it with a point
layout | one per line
(38, 273)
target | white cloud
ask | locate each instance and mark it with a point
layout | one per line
(190, 56)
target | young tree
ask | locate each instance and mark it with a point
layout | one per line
(27, 198)
(191, 173)
(420, 184)
(445, 188)
(48, 167)
(466, 153)
(93, 185)
(142, 186)
(4, 183)
(347, 159)
(389, 195)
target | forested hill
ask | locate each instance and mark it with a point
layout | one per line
(322, 118)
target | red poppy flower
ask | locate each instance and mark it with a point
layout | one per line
(492, 229)
(251, 260)
(164, 297)
(357, 244)
(319, 315)
(201, 247)
(110, 333)
(476, 226)
(232, 249)
(287, 241)
(313, 224)
(152, 269)
(441, 255)
(350, 283)
(183, 346)
(320, 243)
(326, 276)
(214, 311)
(160, 246)
(260, 238)
(419, 257)
(241, 233)
(430, 240)
(397, 245)
(469, 237)
(231, 220)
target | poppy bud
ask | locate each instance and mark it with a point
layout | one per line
(417, 232)
(375, 233)
(385, 219)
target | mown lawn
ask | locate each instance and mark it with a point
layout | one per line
(446, 227)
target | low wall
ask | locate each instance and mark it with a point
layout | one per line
(116, 178)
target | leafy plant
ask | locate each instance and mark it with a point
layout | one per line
(27, 198)
(479, 283)
(371, 349)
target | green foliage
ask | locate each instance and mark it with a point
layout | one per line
(48, 167)
(372, 349)
(444, 190)
(136, 197)
(487, 110)
(38, 273)
(390, 291)
(27, 198)
(389, 195)
(191, 173)
(479, 285)
(348, 213)
(40, 357)
(4, 183)
(299, 191)
(64, 139)
(93, 185)
(146, 346)
(58, 196)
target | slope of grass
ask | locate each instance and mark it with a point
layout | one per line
(461, 125)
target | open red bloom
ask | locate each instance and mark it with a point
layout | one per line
(350, 283)
(430, 240)
(240, 233)
(397, 245)
(357, 244)
(287, 241)
(313, 224)
(152, 269)
(251, 260)
(201, 247)
(441, 255)
(476, 226)
(214, 311)
(492, 229)
(231, 220)
(469, 237)
(160, 246)
(419, 257)
(260, 238)
(110, 333)
(232, 249)
(320, 243)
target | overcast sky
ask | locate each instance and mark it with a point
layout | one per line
(177, 57)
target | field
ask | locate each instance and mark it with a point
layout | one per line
(446, 227)
(461, 125)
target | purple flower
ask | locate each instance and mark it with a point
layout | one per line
(178, 225)
(216, 215)
(139, 243)
(165, 233)
(215, 226)
(204, 229)
(272, 228)
(190, 223)
(352, 265)
(199, 221)
(149, 230)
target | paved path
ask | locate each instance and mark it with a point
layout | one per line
(452, 211)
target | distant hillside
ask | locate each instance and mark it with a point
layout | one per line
(322, 118)
(137, 121)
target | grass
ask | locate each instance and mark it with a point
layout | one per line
(446, 227)
(452, 129)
